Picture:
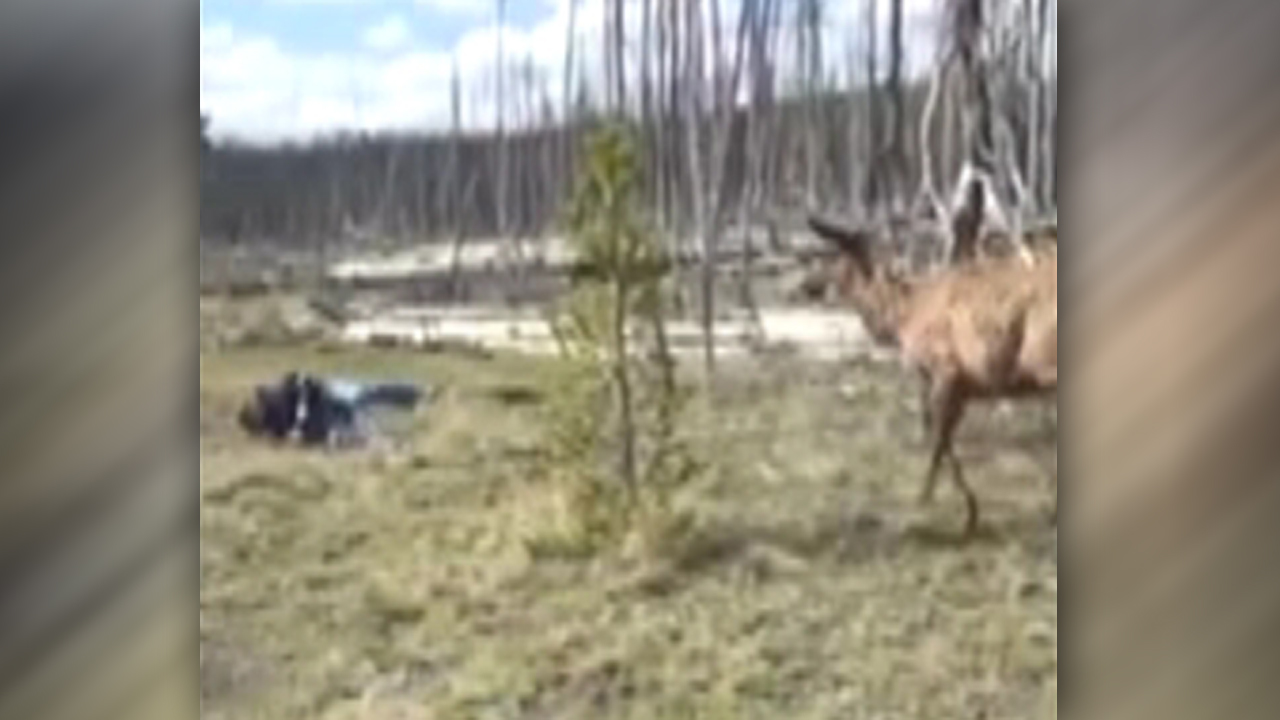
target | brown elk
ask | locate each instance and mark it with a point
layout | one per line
(986, 329)
(1040, 242)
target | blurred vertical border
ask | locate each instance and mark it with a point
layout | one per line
(1172, 240)
(99, 584)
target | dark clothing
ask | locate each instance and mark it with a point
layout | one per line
(322, 410)
(322, 414)
(274, 408)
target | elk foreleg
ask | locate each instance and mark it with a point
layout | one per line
(926, 405)
(943, 408)
(946, 408)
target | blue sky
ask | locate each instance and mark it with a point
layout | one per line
(320, 25)
(274, 69)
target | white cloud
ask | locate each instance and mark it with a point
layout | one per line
(459, 7)
(254, 87)
(391, 33)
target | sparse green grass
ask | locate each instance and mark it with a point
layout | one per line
(399, 583)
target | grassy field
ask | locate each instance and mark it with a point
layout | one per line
(396, 582)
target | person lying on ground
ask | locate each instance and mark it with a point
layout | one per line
(323, 411)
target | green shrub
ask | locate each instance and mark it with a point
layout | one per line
(612, 419)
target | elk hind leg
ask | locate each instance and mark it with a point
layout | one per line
(943, 410)
(970, 498)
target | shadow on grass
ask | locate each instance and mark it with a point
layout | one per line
(1033, 532)
(865, 537)
(516, 395)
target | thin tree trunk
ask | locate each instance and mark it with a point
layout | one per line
(950, 164)
(978, 126)
(422, 222)
(898, 124)
(567, 119)
(872, 195)
(753, 185)
(661, 120)
(693, 121)
(855, 128)
(646, 101)
(928, 191)
(500, 194)
(808, 54)
(622, 378)
(1047, 42)
(1034, 85)
(620, 57)
(451, 188)
(712, 211)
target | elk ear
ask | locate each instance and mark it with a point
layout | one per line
(854, 243)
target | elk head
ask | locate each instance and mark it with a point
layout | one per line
(877, 294)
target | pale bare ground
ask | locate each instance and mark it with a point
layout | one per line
(817, 333)
(503, 254)
(398, 582)
(823, 333)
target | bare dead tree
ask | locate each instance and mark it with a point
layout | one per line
(500, 101)
(770, 169)
(384, 208)
(961, 56)
(1031, 76)
(808, 29)
(939, 89)
(337, 211)
(677, 153)
(694, 72)
(1046, 46)
(567, 92)
(423, 225)
(620, 56)
(873, 184)
(761, 84)
(661, 120)
(646, 100)
(693, 118)
(613, 50)
(710, 201)
(451, 191)
(897, 157)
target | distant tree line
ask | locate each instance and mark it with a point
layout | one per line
(433, 187)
